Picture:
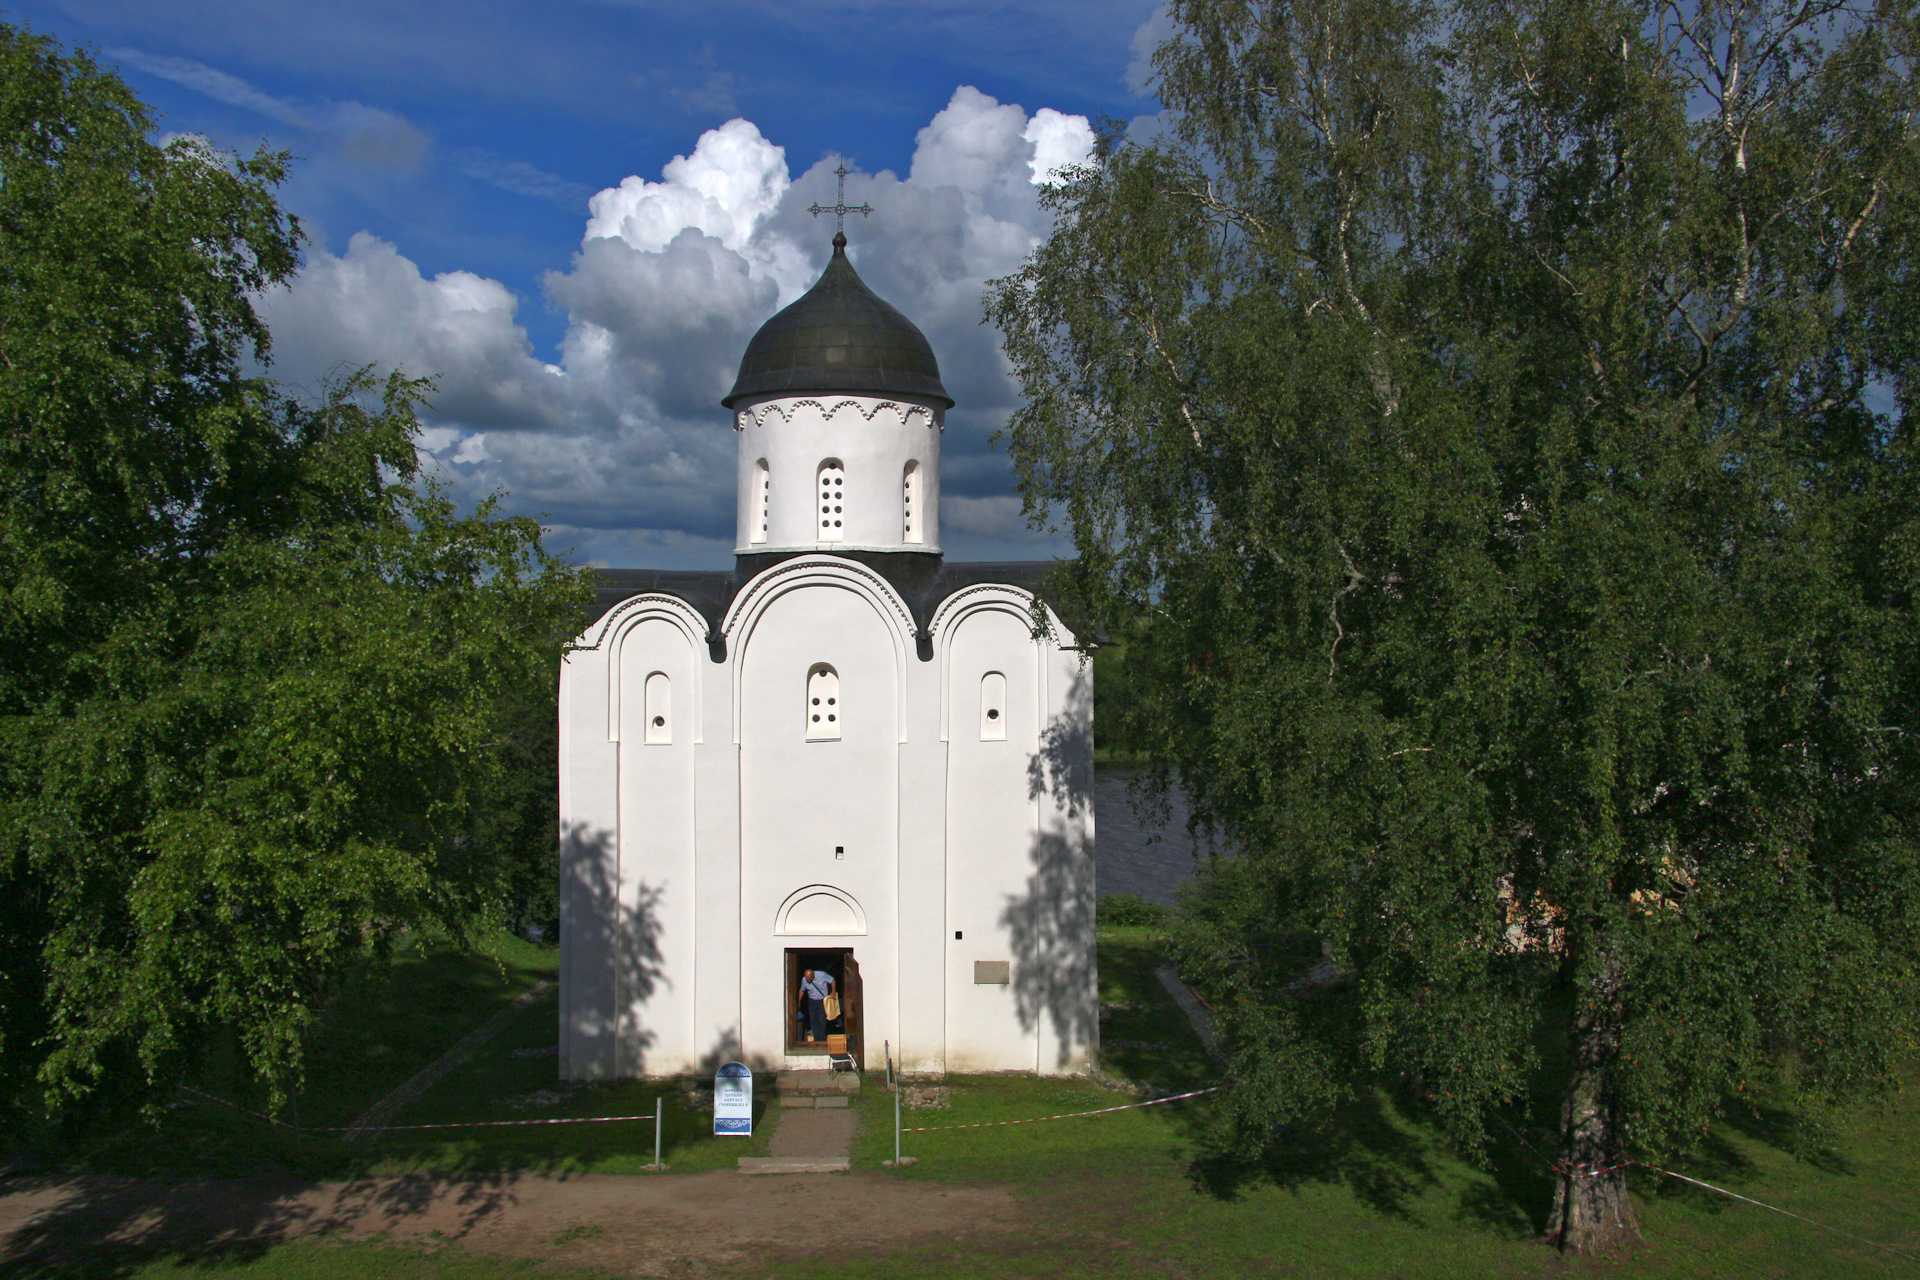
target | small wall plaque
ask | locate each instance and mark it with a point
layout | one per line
(992, 973)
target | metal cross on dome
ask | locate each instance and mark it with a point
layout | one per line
(840, 208)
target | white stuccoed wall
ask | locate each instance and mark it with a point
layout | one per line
(678, 856)
(874, 437)
(992, 826)
(1019, 840)
(801, 798)
(654, 929)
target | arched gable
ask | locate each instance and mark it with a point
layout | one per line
(814, 571)
(987, 597)
(611, 633)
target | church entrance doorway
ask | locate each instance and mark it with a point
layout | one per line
(839, 964)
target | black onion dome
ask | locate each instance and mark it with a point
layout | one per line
(839, 336)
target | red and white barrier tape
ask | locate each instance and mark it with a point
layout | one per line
(1594, 1171)
(385, 1128)
(1562, 1170)
(1773, 1209)
(1589, 1170)
(187, 1088)
(1068, 1115)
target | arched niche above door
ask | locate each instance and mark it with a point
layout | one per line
(819, 911)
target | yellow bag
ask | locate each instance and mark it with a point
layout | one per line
(831, 1005)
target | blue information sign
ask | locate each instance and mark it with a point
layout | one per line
(733, 1101)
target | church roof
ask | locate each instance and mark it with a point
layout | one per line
(839, 336)
(923, 581)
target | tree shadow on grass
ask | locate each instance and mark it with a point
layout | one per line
(1517, 1196)
(1785, 1131)
(1360, 1147)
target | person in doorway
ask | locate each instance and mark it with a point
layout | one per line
(815, 986)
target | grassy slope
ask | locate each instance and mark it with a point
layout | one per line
(387, 1026)
(1376, 1194)
(1132, 1193)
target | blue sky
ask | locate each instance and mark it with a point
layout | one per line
(493, 196)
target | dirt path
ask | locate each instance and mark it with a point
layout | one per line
(640, 1226)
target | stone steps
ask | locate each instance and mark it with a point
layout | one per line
(816, 1084)
(793, 1164)
(808, 1141)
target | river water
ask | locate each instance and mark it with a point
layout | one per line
(1134, 855)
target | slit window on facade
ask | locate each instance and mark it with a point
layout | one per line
(833, 498)
(824, 712)
(993, 707)
(761, 514)
(912, 509)
(659, 708)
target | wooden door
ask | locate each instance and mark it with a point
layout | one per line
(791, 1036)
(853, 1008)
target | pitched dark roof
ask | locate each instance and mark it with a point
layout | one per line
(923, 580)
(839, 336)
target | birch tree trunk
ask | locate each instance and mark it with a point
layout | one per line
(1592, 1213)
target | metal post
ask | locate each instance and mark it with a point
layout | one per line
(896, 1128)
(656, 1133)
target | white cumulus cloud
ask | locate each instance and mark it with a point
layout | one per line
(1147, 39)
(372, 306)
(621, 442)
(1059, 141)
(733, 179)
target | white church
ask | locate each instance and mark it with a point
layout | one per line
(845, 754)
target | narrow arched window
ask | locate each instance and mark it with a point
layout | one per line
(824, 712)
(912, 509)
(993, 707)
(659, 708)
(833, 498)
(760, 514)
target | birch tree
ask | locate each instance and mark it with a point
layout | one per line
(1491, 426)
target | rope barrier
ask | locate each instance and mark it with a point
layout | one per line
(1588, 1170)
(387, 1128)
(187, 1088)
(1773, 1209)
(1594, 1171)
(1066, 1115)
(1569, 1171)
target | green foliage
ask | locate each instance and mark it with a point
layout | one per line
(1494, 422)
(1131, 910)
(259, 681)
(1116, 703)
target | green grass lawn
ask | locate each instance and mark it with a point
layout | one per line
(1374, 1194)
(507, 1081)
(382, 1029)
(364, 1262)
(1141, 1192)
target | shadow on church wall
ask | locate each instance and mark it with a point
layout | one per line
(1052, 923)
(1063, 766)
(614, 958)
(1051, 926)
